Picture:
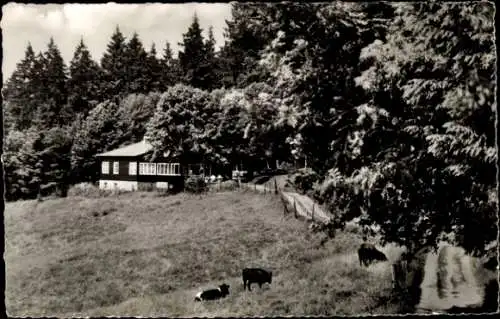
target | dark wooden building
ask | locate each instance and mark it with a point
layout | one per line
(127, 168)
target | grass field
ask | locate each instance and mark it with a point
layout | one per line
(144, 255)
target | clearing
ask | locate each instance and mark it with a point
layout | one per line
(141, 254)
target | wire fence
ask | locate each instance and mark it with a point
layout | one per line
(299, 205)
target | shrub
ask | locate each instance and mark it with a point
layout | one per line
(87, 190)
(229, 185)
(304, 180)
(195, 185)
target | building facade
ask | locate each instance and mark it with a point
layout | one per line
(127, 168)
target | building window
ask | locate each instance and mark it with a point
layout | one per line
(147, 168)
(162, 168)
(168, 169)
(176, 169)
(105, 167)
(116, 168)
(132, 168)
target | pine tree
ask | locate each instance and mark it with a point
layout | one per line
(192, 58)
(154, 70)
(84, 80)
(114, 65)
(56, 85)
(136, 65)
(19, 93)
(51, 96)
(244, 41)
(171, 71)
(210, 63)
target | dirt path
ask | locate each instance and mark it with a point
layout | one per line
(450, 280)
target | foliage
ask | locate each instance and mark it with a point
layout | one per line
(314, 80)
(303, 180)
(240, 53)
(87, 190)
(134, 112)
(195, 185)
(95, 134)
(37, 162)
(424, 142)
(182, 124)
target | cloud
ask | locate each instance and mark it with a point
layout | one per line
(68, 23)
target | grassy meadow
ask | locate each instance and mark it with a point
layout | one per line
(141, 254)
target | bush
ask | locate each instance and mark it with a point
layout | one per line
(87, 190)
(304, 180)
(229, 185)
(195, 185)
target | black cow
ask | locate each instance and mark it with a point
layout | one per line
(213, 294)
(260, 276)
(367, 253)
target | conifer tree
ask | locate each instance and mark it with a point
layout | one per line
(114, 65)
(154, 70)
(171, 71)
(19, 103)
(51, 95)
(84, 80)
(210, 65)
(192, 58)
(136, 65)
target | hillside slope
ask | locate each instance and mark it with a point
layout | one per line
(143, 255)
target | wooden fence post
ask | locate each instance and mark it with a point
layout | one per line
(294, 208)
(275, 186)
(255, 187)
(313, 212)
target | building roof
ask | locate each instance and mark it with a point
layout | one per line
(135, 149)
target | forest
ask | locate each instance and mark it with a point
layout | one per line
(391, 105)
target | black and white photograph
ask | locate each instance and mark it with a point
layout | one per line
(250, 159)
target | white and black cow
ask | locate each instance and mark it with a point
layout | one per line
(257, 275)
(213, 294)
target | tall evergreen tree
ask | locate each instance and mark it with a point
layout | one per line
(57, 71)
(210, 62)
(244, 41)
(18, 92)
(171, 70)
(192, 58)
(51, 96)
(136, 65)
(114, 66)
(84, 80)
(154, 70)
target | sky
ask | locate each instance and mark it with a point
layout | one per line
(95, 23)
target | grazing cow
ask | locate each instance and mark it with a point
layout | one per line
(260, 276)
(213, 294)
(367, 253)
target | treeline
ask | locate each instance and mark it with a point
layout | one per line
(391, 105)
